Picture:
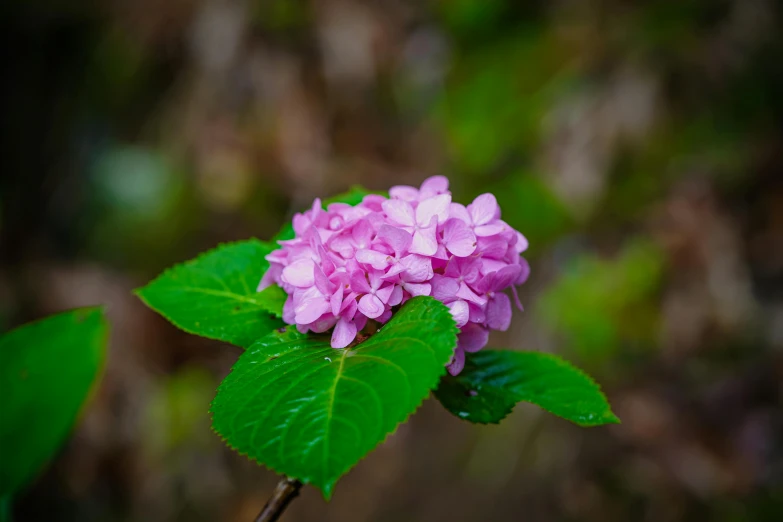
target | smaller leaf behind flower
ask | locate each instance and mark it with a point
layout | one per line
(494, 381)
(214, 295)
(302, 408)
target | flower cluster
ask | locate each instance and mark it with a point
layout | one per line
(348, 264)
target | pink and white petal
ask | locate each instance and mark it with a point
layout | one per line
(459, 311)
(404, 192)
(310, 309)
(399, 211)
(375, 259)
(424, 242)
(499, 312)
(299, 273)
(371, 306)
(490, 229)
(436, 206)
(416, 268)
(434, 186)
(344, 333)
(483, 209)
(458, 238)
(416, 289)
(521, 244)
(457, 362)
(397, 238)
(473, 337)
(458, 211)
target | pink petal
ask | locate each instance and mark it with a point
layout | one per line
(392, 273)
(371, 306)
(344, 333)
(490, 229)
(444, 288)
(437, 206)
(457, 362)
(458, 238)
(372, 202)
(322, 282)
(505, 277)
(460, 312)
(516, 299)
(336, 301)
(359, 283)
(425, 241)
(483, 209)
(404, 192)
(416, 268)
(288, 310)
(399, 211)
(397, 238)
(384, 317)
(499, 312)
(385, 293)
(433, 186)
(396, 296)
(524, 272)
(521, 244)
(299, 273)
(311, 307)
(493, 247)
(417, 288)
(467, 294)
(473, 337)
(362, 233)
(375, 259)
(457, 210)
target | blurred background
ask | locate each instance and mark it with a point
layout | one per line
(637, 144)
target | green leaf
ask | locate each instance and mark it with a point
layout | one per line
(47, 369)
(352, 197)
(304, 409)
(214, 295)
(493, 381)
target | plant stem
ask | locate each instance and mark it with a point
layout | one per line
(285, 491)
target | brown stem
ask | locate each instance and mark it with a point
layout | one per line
(285, 491)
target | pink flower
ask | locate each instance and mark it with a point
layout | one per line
(350, 264)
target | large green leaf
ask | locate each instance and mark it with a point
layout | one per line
(493, 381)
(302, 408)
(47, 369)
(214, 295)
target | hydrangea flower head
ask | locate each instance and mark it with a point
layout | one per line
(349, 264)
